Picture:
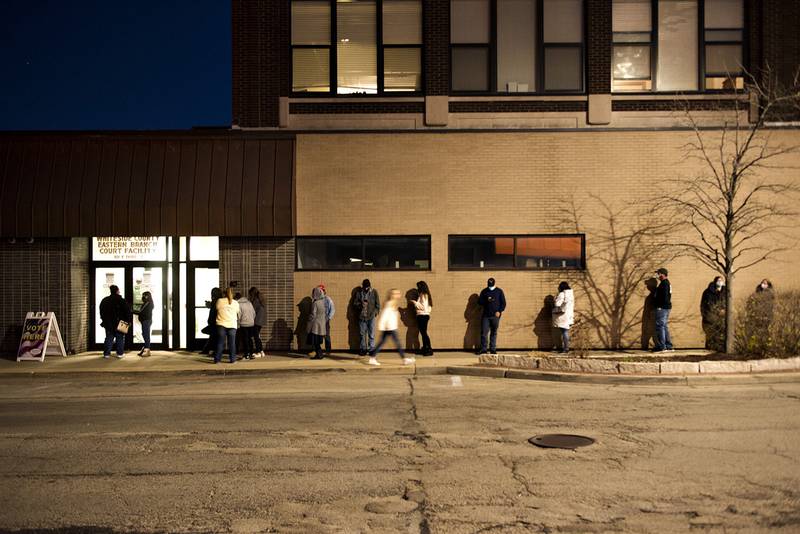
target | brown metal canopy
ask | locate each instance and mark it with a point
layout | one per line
(224, 183)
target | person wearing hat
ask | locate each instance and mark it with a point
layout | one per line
(663, 305)
(367, 305)
(330, 310)
(493, 302)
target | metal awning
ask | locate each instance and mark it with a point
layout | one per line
(223, 183)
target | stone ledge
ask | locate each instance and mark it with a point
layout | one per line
(578, 365)
(639, 368)
(710, 367)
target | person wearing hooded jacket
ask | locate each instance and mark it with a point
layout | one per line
(712, 310)
(316, 323)
(564, 313)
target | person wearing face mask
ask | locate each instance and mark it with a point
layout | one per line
(663, 304)
(712, 309)
(493, 301)
(760, 310)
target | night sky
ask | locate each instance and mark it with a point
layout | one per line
(114, 65)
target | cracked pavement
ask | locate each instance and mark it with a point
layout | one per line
(433, 454)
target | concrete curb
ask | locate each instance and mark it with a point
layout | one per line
(609, 379)
(614, 367)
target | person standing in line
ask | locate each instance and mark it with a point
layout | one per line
(330, 311)
(316, 323)
(663, 304)
(211, 323)
(712, 310)
(227, 318)
(564, 313)
(260, 320)
(367, 305)
(388, 324)
(493, 301)
(113, 309)
(247, 317)
(423, 306)
(146, 320)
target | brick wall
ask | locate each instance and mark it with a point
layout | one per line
(268, 264)
(436, 34)
(492, 183)
(598, 46)
(260, 66)
(46, 275)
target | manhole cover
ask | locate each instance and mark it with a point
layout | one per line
(560, 441)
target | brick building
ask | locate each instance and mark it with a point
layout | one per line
(396, 140)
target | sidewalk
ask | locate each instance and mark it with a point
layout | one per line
(182, 362)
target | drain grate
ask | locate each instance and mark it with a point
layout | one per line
(561, 441)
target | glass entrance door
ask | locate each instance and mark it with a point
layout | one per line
(104, 278)
(149, 279)
(201, 281)
(133, 280)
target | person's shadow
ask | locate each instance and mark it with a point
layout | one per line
(472, 316)
(649, 314)
(353, 329)
(543, 324)
(280, 339)
(408, 316)
(304, 315)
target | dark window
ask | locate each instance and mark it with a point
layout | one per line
(363, 253)
(677, 45)
(516, 46)
(378, 46)
(517, 252)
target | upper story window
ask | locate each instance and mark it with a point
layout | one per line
(511, 46)
(378, 46)
(659, 45)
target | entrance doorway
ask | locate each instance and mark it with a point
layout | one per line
(179, 273)
(133, 280)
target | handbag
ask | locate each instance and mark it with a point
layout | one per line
(206, 330)
(123, 327)
(557, 310)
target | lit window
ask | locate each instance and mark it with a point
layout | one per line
(677, 45)
(357, 51)
(724, 35)
(632, 26)
(517, 252)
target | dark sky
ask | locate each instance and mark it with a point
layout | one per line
(114, 64)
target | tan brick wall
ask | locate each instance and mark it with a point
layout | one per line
(492, 183)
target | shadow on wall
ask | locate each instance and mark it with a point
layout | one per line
(408, 316)
(353, 331)
(301, 331)
(543, 325)
(649, 314)
(281, 336)
(472, 316)
(10, 341)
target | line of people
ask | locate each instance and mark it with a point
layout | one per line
(236, 319)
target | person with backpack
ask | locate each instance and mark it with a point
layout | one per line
(247, 322)
(317, 321)
(366, 305)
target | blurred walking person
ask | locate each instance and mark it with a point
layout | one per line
(388, 324)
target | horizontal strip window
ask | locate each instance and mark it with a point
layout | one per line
(677, 45)
(356, 47)
(524, 252)
(364, 253)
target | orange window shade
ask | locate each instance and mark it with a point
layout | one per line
(504, 245)
(549, 247)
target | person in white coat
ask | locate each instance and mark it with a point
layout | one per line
(564, 313)
(388, 324)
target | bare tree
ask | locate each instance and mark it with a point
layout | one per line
(732, 207)
(627, 246)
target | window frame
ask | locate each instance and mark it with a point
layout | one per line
(363, 238)
(539, 54)
(701, 52)
(333, 64)
(581, 267)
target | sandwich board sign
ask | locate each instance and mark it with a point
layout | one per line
(40, 336)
